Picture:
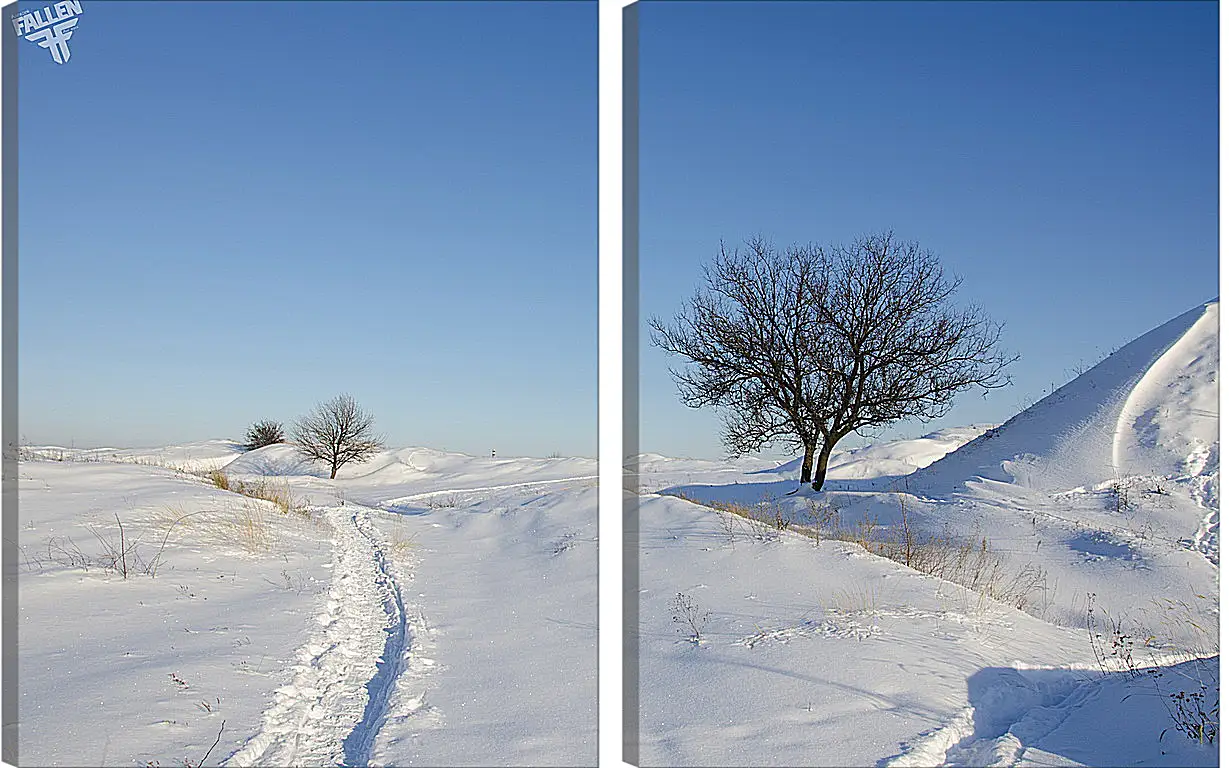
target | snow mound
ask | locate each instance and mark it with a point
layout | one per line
(404, 479)
(878, 460)
(898, 457)
(1149, 408)
(201, 456)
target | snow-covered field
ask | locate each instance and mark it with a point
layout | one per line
(430, 608)
(422, 609)
(1068, 613)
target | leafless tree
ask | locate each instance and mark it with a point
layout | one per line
(804, 346)
(337, 432)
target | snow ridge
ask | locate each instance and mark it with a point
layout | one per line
(336, 702)
(392, 504)
(1033, 450)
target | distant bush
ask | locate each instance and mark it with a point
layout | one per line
(264, 433)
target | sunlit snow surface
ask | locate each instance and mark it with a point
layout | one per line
(420, 610)
(820, 653)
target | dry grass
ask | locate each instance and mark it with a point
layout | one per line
(219, 479)
(761, 523)
(247, 525)
(397, 538)
(866, 601)
(125, 549)
(969, 561)
(279, 494)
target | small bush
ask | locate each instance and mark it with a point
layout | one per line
(1121, 496)
(450, 501)
(264, 433)
(1113, 647)
(1194, 709)
(119, 552)
(1194, 715)
(823, 517)
(689, 616)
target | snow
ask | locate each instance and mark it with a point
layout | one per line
(818, 652)
(433, 608)
(194, 457)
(891, 459)
(1068, 440)
(417, 610)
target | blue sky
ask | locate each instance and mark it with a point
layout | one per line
(1060, 157)
(232, 211)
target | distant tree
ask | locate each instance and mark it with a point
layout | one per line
(805, 346)
(337, 432)
(264, 433)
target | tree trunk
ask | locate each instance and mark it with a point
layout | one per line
(808, 458)
(821, 465)
(333, 474)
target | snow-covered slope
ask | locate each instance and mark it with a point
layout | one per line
(900, 457)
(201, 456)
(125, 671)
(819, 653)
(1102, 499)
(426, 608)
(1147, 408)
(1114, 477)
(413, 479)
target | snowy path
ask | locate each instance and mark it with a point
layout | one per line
(338, 699)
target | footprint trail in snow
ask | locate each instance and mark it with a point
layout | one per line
(337, 701)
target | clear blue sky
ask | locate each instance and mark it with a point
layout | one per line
(232, 211)
(1060, 157)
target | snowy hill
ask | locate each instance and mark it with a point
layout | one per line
(1149, 408)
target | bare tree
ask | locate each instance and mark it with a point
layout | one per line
(805, 346)
(337, 432)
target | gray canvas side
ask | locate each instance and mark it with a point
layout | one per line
(8, 406)
(631, 384)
